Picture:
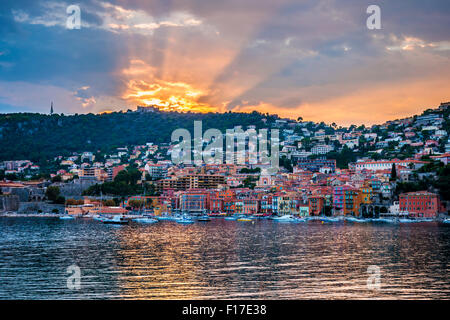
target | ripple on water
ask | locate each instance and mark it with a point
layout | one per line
(222, 260)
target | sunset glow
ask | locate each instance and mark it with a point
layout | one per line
(314, 59)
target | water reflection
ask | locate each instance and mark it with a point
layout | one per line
(222, 260)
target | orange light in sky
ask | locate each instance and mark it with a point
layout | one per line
(143, 88)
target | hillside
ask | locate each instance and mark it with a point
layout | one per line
(38, 137)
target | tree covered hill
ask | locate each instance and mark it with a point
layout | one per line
(39, 137)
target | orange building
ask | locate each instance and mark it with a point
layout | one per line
(316, 205)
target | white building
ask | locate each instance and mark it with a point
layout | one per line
(321, 149)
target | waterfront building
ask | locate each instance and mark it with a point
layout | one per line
(366, 195)
(316, 205)
(420, 204)
(194, 201)
(346, 200)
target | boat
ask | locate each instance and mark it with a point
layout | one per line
(425, 220)
(260, 216)
(204, 218)
(447, 220)
(145, 220)
(231, 218)
(312, 218)
(164, 218)
(167, 217)
(245, 219)
(67, 217)
(214, 215)
(285, 218)
(185, 220)
(115, 220)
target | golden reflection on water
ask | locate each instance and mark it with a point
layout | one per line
(166, 267)
(224, 260)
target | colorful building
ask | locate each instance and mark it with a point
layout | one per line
(420, 204)
(366, 195)
(194, 201)
(316, 205)
(346, 200)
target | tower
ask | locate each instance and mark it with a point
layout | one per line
(51, 108)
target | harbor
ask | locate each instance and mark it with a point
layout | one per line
(221, 259)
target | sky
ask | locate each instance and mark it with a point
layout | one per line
(311, 58)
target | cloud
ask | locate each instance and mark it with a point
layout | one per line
(287, 56)
(86, 98)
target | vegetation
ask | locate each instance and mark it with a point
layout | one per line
(286, 163)
(247, 170)
(124, 184)
(250, 182)
(393, 173)
(443, 181)
(39, 137)
(53, 194)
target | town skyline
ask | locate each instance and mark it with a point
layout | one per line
(294, 117)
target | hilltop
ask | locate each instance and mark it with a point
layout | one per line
(40, 137)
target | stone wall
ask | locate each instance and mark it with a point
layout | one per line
(75, 187)
(34, 207)
(22, 193)
(9, 202)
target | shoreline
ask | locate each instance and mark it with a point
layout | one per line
(313, 218)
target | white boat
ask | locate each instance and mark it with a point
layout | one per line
(298, 220)
(446, 220)
(166, 217)
(285, 218)
(231, 218)
(67, 217)
(289, 218)
(145, 220)
(185, 220)
(425, 220)
(115, 220)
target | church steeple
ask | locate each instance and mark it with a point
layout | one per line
(51, 108)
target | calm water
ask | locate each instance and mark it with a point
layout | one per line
(222, 260)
